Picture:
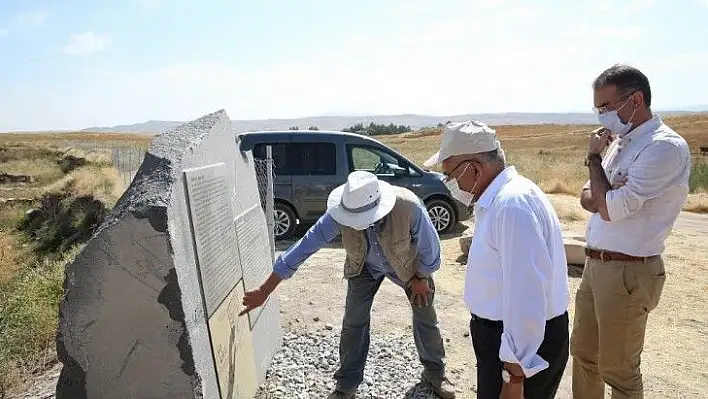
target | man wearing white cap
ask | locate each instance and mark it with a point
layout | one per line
(386, 232)
(516, 283)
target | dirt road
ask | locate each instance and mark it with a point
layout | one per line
(693, 223)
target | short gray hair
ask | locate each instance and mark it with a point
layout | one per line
(495, 156)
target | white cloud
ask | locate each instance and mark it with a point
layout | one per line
(34, 18)
(3, 32)
(86, 43)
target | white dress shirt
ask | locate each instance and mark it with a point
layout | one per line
(516, 268)
(657, 164)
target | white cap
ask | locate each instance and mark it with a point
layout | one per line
(470, 137)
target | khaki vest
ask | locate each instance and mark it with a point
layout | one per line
(394, 238)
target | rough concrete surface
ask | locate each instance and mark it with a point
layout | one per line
(133, 322)
(574, 251)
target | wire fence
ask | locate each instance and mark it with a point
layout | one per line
(127, 156)
(265, 175)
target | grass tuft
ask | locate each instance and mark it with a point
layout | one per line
(699, 175)
(28, 318)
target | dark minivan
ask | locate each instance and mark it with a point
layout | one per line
(309, 164)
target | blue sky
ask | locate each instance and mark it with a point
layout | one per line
(79, 63)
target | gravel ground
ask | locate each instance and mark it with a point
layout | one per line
(305, 366)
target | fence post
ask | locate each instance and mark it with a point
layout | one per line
(270, 205)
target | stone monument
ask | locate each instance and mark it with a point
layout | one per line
(151, 303)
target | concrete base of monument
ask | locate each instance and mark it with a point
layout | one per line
(574, 251)
(465, 243)
(574, 247)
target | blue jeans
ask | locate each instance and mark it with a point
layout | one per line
(354, 341)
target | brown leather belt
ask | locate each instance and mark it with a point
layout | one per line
(605, 256)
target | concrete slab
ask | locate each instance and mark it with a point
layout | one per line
(151, 303)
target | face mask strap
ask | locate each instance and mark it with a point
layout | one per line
(634, 110)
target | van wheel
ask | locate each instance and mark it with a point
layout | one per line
(284, 223)
(441, 214)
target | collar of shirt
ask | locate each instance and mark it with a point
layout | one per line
(645, 129)
(641, 134)
(485, 200)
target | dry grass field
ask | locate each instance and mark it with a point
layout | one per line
(55, 196)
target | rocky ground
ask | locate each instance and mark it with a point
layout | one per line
(304, 368)
(312, 305)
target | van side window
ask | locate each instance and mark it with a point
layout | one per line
(375, 161)
(312, 159)
(280, 158)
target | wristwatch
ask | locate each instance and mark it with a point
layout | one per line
(509, 378)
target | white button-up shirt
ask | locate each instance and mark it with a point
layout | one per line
(657, 164)
(516, 268)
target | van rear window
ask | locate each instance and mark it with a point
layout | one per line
(300, 159)
(313, 159)
(280, 157)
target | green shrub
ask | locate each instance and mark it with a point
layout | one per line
(699, 176)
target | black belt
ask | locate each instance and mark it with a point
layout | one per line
(499, 323)
(486, 322)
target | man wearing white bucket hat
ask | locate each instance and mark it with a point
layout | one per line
(516, 283)
(386, 232)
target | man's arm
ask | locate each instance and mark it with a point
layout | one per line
(320, 234)
(526, 268)
(586, 200)
(427, 242)
(652, 174)
(599, 186)
(323, 232)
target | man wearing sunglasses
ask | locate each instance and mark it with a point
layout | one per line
(635, 195)
(516, 282)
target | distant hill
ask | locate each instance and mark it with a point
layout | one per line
(341, 122)
(154, 127)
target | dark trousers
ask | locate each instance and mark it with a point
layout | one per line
(486, 340)
(355, 339)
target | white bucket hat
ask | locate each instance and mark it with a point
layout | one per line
(361, 201)
(469, 137)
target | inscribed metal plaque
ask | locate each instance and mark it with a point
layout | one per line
(214, 235)
(231, 341)
(254, 250)
(267, 336)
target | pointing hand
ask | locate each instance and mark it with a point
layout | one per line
(253, 299)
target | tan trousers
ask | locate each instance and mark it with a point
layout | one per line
(611, 309)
